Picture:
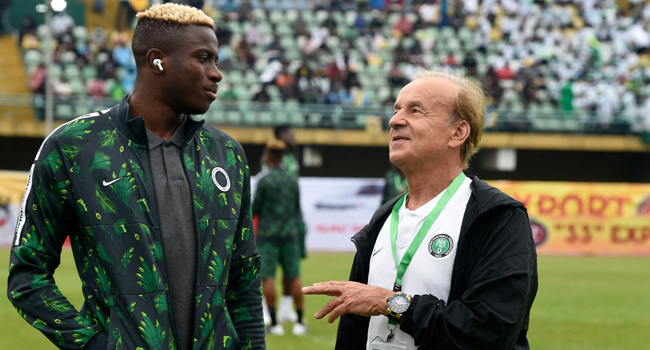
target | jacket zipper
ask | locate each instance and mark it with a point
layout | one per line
(356, 245)
(162, 239)
(198, 235)
(186, 142)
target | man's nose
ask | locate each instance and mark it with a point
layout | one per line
(398, 119)
(215, 74)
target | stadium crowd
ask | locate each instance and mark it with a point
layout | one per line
(542, 56)
(96, 64)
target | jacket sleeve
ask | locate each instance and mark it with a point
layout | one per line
(493, 311)
(36, 250)
(244, 288)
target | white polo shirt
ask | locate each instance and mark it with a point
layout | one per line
(430, 269)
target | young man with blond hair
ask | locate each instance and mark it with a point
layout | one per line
(156, 206)
(451, 264)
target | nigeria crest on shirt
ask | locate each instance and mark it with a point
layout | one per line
(441, 245)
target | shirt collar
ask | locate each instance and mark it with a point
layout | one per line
(135, 129)
(176, 139)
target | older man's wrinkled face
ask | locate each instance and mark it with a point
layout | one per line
(420, 133)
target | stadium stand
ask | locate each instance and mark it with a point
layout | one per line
(571, 66)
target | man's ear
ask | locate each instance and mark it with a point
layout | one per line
(155, 54)
(459, 134)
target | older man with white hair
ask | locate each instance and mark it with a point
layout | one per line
(451, 264)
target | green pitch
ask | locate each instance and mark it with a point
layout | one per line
(582, 303)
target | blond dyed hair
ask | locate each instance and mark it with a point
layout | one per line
(469, 105)
(276, 145)
(177, 13)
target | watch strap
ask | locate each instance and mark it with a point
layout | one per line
(393, 316)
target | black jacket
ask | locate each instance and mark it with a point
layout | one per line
(493, 283)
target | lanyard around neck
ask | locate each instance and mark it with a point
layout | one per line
(428, 222)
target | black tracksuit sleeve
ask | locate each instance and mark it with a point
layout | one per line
(493, 308)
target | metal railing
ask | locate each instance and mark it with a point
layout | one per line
(247, 113)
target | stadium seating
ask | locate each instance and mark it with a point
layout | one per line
(527, 61)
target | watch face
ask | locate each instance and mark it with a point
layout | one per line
(398, 303)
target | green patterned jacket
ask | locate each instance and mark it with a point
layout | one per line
(92, 181)
(277, 201)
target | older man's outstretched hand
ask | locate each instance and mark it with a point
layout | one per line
(351, 298)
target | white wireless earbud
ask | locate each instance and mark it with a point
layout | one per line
(157, 62)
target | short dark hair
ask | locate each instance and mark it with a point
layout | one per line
(280, 129)
(275, 156)
(275, 150)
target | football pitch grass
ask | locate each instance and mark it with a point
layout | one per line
(582, 303)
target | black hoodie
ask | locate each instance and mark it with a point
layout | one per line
(493, 283)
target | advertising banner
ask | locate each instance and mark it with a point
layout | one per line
(585, 218)
(566, 218)
(334, 209)
(12, 190)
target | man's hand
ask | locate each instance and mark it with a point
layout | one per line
(351, 298)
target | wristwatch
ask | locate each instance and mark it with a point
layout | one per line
(398, 303)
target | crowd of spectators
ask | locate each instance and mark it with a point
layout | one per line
(588, 56)
(541, 56)
(96, 64)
